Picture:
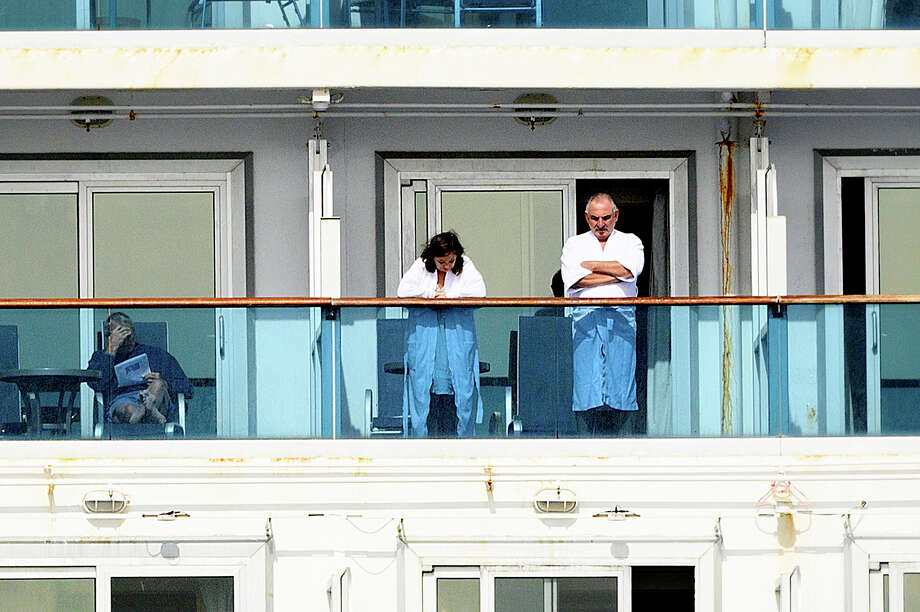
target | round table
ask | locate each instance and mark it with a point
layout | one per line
(66, 383)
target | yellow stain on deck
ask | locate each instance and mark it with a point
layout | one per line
(336, 65)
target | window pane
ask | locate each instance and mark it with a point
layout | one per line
(589, 594)
(898, 212)
(153, 244)
(519, 595)
(458, 594)
(911, 592)
(513, 237)
(586, 594)
(39, 232)
(173, 594)
(49, 594)
(421, 221)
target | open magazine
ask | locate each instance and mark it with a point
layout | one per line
(131, 371)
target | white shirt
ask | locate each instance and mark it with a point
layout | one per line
(419, 282)
(624, 248)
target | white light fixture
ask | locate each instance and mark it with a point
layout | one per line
(533, 118)
(108, 501)
(88, 123)
(555, 500)
(321, 99)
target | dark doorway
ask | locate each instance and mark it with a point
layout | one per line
(635, 198)
(853, 213)
(662, 588)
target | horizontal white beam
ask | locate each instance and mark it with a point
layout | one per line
(457, 58)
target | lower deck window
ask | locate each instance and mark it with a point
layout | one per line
(173, 594)
(559, 588)
(597, 594)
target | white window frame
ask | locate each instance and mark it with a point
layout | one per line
(89, 189)
(877, 169)
(896, 571)
(244, 561)
(488, 573)
(52, 572)
(494, 172)
(226, 177)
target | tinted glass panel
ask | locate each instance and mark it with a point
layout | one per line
(49, 594)
(173, 594)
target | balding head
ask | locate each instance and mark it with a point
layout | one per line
(601, 214)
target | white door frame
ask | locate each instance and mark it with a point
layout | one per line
(878, 171)
(877, 168)
(399, 172)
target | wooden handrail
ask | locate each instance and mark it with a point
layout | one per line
(305, 302)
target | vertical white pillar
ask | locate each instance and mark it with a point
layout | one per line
(325, 227)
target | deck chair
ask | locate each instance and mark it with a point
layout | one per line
(155, 334)
(544, 378)
(391, 348)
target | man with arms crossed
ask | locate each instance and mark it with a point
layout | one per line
(603, 263)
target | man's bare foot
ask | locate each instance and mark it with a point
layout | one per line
(137, 415)
(128, 413)
(152, 412)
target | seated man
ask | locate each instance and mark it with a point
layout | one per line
(155, 400)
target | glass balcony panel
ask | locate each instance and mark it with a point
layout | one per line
(31, 339)
(189, 335)
(633, 14)
(845, 15)
(45, 15)
(324, 372)
(262, 14)
(527, 363)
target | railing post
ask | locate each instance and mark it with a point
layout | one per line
(330, 341)
(778, 369)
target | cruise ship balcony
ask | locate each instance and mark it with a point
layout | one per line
(305, 368)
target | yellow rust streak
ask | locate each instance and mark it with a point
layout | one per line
(727, 205)
(337, 65)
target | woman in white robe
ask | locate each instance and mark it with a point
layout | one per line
(442, 356)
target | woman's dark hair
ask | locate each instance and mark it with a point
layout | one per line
(440, 245)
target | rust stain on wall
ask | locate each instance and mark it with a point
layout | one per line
(726, 210)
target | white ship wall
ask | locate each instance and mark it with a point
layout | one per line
(288, 516)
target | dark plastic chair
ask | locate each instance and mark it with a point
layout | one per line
(544, 378)
(391, 348)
